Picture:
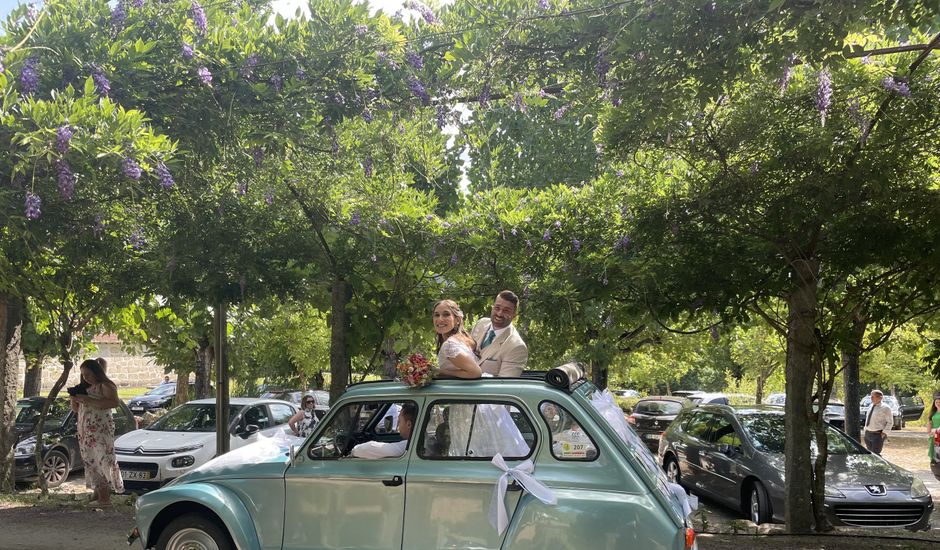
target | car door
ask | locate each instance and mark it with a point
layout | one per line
(689, 447)
(451, 479)
(254, 415)
(721, 460)
(336, 501)
(281, 413)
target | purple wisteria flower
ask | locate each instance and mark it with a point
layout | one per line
(67, 180)
(547, 235)
(33, 206)
(204, 76)
(417, 88)
(429, 217)
(367, 115)
(441, 117)
(243, 188)
(102, 84)
(257, 155)
(787, 73)
(98, 227)
(118, 16)
(623, 243)
(130, 168)
(557, 224)
(414, 59)
(137, 240)
(187, 51)
(576, 245)
(339, 99)
(453, 259)
(560, 113)
(824, 94)
(528, 246)
(355, 219)
(897, 86)
(277, 82)
(31, 12)
(619, 173)
(601, 67)
(544, 5)
(29, 76)
(755, 167)
(63, 138)
(485, 95)
(361, 29)
(199, 17)
(166, 178)
(251, 63)
(425, 11)
(269, 197)
(137, 3)
(367, 165)
(714, 334)
(383, 57)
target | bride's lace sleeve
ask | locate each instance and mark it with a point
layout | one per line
(452, 348)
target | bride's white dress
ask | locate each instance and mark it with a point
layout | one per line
(483, 429)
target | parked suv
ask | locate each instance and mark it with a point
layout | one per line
(60, 455)
(736, 456)
(437, 490)
(912, 407)
(652, 415)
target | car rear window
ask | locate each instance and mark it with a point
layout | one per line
(569, 440)
(658, 408)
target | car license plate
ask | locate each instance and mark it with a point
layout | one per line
(651, 436)
(135, 475)
(137, 409)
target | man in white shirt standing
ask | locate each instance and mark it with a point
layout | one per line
(380, 449)
(877, 423)
(499, 346)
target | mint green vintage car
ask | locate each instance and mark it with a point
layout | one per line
(514, 463)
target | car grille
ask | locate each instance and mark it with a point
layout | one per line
(879, 515)
(143, 452)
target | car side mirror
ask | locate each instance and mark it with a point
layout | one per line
(249, 430)
(728, 450)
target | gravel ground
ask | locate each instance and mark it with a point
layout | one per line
(64, 521)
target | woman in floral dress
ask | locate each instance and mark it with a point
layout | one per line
(96, 433)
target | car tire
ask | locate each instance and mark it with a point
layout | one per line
(193, 531)
(757, 506)
(55, 468)
(671, 467)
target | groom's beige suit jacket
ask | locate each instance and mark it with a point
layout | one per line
(507, 353)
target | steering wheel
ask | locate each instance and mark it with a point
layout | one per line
(345, 442)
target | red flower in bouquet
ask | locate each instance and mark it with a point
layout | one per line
(416, 371)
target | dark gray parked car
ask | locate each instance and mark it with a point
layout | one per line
(736, 457)
(652, 415)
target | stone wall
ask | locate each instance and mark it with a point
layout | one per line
(126, 369)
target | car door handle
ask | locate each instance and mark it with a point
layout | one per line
(394, 482)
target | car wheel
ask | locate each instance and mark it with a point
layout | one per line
(55, 468)
(758, 504)
(672, 470)
(193, 532)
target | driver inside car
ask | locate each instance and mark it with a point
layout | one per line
(381, 449)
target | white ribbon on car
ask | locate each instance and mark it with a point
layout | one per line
(521, 474)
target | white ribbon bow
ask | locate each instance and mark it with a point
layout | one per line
(521, 474)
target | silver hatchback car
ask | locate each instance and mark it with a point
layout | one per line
(735, 456)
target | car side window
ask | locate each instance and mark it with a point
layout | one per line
(723, 433)
(569, 440)
(356, 423)
(280, 414)
(697, 425)
(121, 423)
(475, 430)
(257, 415)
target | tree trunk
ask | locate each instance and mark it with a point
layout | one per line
(850, 369)
(182, 388)
(11, 321)
(389, 359)
(802, 359)
(340, 367)
(759, 394)
(204, 358)
(32, 380)
(599, 373)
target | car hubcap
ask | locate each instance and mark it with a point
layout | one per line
(54, 469)
(672, 472)
(191, 539)
(755, 507)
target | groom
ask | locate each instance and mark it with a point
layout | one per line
(502, 351)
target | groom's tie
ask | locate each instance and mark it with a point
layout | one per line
(489, 338)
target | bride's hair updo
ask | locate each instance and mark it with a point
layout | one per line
(458, 329)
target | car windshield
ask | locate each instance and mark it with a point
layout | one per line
(191, 417)
(888, 400)
(164, 389)
(28, 411)
(658, 408)
(768, 434)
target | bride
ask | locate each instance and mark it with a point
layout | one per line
(475, 429)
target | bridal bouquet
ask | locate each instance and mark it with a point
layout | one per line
(416, 371)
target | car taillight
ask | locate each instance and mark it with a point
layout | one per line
(631, 420)
(689, 538)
